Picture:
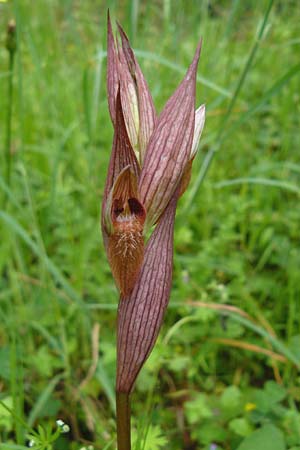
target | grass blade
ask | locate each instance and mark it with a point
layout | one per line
(259, 181)
(246, 68)
(42, 400)
(243, 118)
(107, 385)
(210, 155)
(13, 447)
(176, 67)
(276, 343)
(57, 275)
(277, 86)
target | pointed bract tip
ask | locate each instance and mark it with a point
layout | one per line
(126, 47)
(193, 67)
(122, 32)
(109, 27)
(110, 32)
(124, 38)
(198, 49)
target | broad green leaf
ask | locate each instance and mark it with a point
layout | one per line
(266, 438)
(270, 396)
(231, 399)
(241, 426)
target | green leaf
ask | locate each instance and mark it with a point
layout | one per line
(4, 363)
(52, 268)
(209, 431)
(275, 391)
(44, 362)
(231, 399)
(270, 396)
(197, 409)
(178, 364)
(155, 440)
(44, 400)
(5, 416)
(241, 426)
(106, 383)
(294, 345)
(266, 438)
(13, 447)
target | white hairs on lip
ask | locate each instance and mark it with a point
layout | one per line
(128, 243)
(125, 218)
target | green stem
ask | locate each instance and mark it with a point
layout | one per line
(123, 421)
(9, 118)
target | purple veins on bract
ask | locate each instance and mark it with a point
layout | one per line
(150, 167)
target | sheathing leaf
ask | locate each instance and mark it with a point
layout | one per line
(169, 148)
(140, 315)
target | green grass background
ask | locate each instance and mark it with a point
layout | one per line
(218, 378)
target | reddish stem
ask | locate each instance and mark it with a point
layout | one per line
(123, 421)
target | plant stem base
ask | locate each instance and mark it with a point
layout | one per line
(123, 421)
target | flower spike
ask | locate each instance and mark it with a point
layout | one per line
(150, 167)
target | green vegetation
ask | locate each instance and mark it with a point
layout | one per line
(221, 377)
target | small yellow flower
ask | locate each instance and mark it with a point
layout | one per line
(250, 407)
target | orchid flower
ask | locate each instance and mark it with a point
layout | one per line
(149, 168)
